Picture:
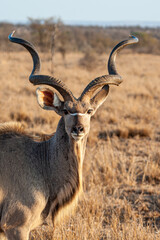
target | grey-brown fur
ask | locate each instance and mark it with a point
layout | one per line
(39, 180)
(36, 173)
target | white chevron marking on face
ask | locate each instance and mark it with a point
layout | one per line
(75, 114)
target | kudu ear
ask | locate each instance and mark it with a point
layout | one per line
(100, 97)
(49, 100)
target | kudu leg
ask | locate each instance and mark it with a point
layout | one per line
(17, 234)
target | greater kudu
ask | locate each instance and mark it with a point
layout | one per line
(38, 180)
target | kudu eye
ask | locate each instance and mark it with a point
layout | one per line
(65, 112)
(90, 111)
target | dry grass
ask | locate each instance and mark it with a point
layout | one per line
(121, 197)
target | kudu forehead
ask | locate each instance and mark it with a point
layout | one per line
(76, 106)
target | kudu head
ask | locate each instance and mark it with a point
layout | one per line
(76, 112)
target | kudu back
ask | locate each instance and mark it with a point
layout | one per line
(39, 180)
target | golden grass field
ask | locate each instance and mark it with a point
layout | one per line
(121, 173)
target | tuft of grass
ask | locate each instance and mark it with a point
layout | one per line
(129, 132)
(20, 117)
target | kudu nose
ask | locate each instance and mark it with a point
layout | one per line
(78, 129)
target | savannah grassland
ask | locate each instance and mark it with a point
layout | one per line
(121, 173)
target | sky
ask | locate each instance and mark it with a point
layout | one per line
(81, 10)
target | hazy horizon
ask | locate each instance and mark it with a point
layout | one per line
(143, 24)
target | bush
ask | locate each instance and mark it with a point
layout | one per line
(89, 60)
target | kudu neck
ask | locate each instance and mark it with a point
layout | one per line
(76, 147)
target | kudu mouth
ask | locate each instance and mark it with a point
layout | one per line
(78, 132)
(77, 137)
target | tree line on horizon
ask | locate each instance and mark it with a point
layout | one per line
(51, 35)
